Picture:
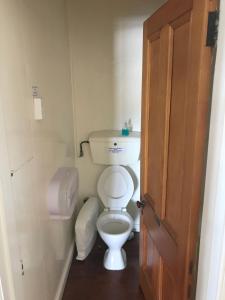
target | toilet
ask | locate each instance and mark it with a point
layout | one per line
(115, 189)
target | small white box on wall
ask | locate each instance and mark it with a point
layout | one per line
(38, 113)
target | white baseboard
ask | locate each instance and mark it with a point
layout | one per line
(65, 272)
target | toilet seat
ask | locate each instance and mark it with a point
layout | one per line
(114, 223)
(115, 187)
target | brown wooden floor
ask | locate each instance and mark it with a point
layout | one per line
(88, 280)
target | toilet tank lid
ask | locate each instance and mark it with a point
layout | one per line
(107, 135)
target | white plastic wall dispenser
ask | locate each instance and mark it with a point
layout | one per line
(85, 228)
(63, 193)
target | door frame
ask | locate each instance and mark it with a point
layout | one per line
(211, 271)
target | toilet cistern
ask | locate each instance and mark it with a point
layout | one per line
(115, 189)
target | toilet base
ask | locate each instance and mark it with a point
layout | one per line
(115, 259)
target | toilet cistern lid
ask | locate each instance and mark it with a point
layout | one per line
(115, 187)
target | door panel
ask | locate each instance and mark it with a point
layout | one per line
(175, 109)
(175, 170)
(154, 175)
(168, 285)
(160, 54)
(153, 259)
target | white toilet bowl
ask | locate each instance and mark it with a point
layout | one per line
(114, 228)
(115, 188)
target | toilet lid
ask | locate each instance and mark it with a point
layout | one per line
(115, 187)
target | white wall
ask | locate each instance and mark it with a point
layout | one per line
(211, 273)
(34, 51)
(106, 54)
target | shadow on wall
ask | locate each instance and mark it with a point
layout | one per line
(106, 53)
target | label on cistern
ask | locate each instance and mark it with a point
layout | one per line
(116, 150)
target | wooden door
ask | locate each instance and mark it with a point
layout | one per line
(175, 117)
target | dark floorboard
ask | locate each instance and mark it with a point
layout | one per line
(88, 280)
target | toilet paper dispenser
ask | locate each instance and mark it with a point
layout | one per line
(62, 195)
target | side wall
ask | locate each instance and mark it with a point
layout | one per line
(34, 52)
(106, 53)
